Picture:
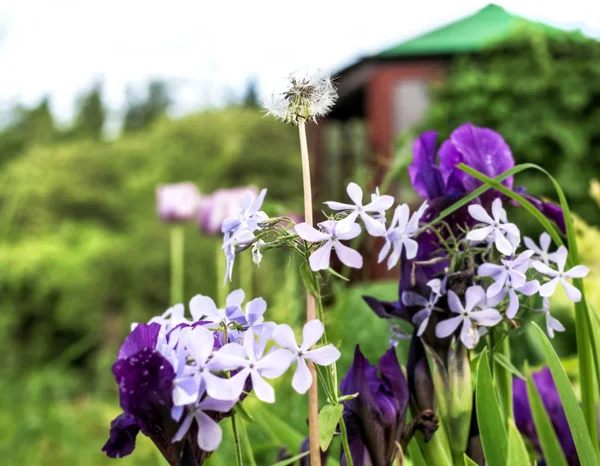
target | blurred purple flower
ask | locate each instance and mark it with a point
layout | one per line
(551, 400)
(220, 205)
(375, 419)
(177, 202)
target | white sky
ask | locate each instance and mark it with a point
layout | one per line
(209, 48)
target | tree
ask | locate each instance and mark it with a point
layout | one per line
(142, 112)
(251, 96)
(90, 114)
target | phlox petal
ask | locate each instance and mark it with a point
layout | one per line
(311, 333)
(284, 336)
(579, 271)
(572, 292)
(319, 259)
(479, 214)
(487, 317)
(374, 227)
(503, 245)
(547, 289)
(355, 193)
(412, 248)
(275, 363)
(323, 356)
(447, 327)
(480, 234)
(308, 233)
(209, 432)
(302, 379)
(347, 255)
(261, 388)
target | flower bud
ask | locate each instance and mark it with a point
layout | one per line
(454, 394)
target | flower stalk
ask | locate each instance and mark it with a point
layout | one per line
(311, 313)
(177, 263)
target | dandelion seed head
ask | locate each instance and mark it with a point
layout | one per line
(308, 97)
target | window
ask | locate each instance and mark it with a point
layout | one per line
(411, 101)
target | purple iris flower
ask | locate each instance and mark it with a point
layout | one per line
(551, 400)
(145, 379)
(375, 419)
(480, 148)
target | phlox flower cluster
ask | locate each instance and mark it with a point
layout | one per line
(240, 231)
(184, 373)
(505, 278)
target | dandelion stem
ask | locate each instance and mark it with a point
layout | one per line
(313, 392)
(177, 263)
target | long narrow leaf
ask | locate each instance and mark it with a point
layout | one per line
(415, 455)
(551, 448)
(517, 452)
(469, 461)
(491, 426)
(579, 430)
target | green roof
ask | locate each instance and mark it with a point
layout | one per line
(470, 34)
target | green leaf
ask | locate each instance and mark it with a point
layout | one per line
(348, 397)
(505, 362)
(329, 417)
(291, 460)
(517, 451)
(469, 461)
(415, 454)
(491, 426)
(551, 448)
(579, 430)
(281, 432)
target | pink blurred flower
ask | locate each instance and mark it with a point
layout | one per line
(218, 206)
(177, 202)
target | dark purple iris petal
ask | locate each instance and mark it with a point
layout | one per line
(143, 336)
(123, 431)
(391, 373)
(425, 176)
(484, 150)
(375, 418)
(145, 383)
(551, 400)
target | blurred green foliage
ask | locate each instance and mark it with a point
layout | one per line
(83, 252)
(542, 93)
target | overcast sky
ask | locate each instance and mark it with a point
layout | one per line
(209, 49)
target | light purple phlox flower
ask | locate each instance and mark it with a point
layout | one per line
(410, 298)
(541, 251)
(323, 356)
(378, 205)
(560, 276)
(251, 362)
(399, 235)
(511, 271)
(468, 317)
(331, 234)
(506, 235)
(552, 324)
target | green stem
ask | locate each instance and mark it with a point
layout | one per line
(221, 264)
(345, 444)
(177, 263)
(503, 381)
(246, 271)
(247, 444)
(586, 372)
(238, 450)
